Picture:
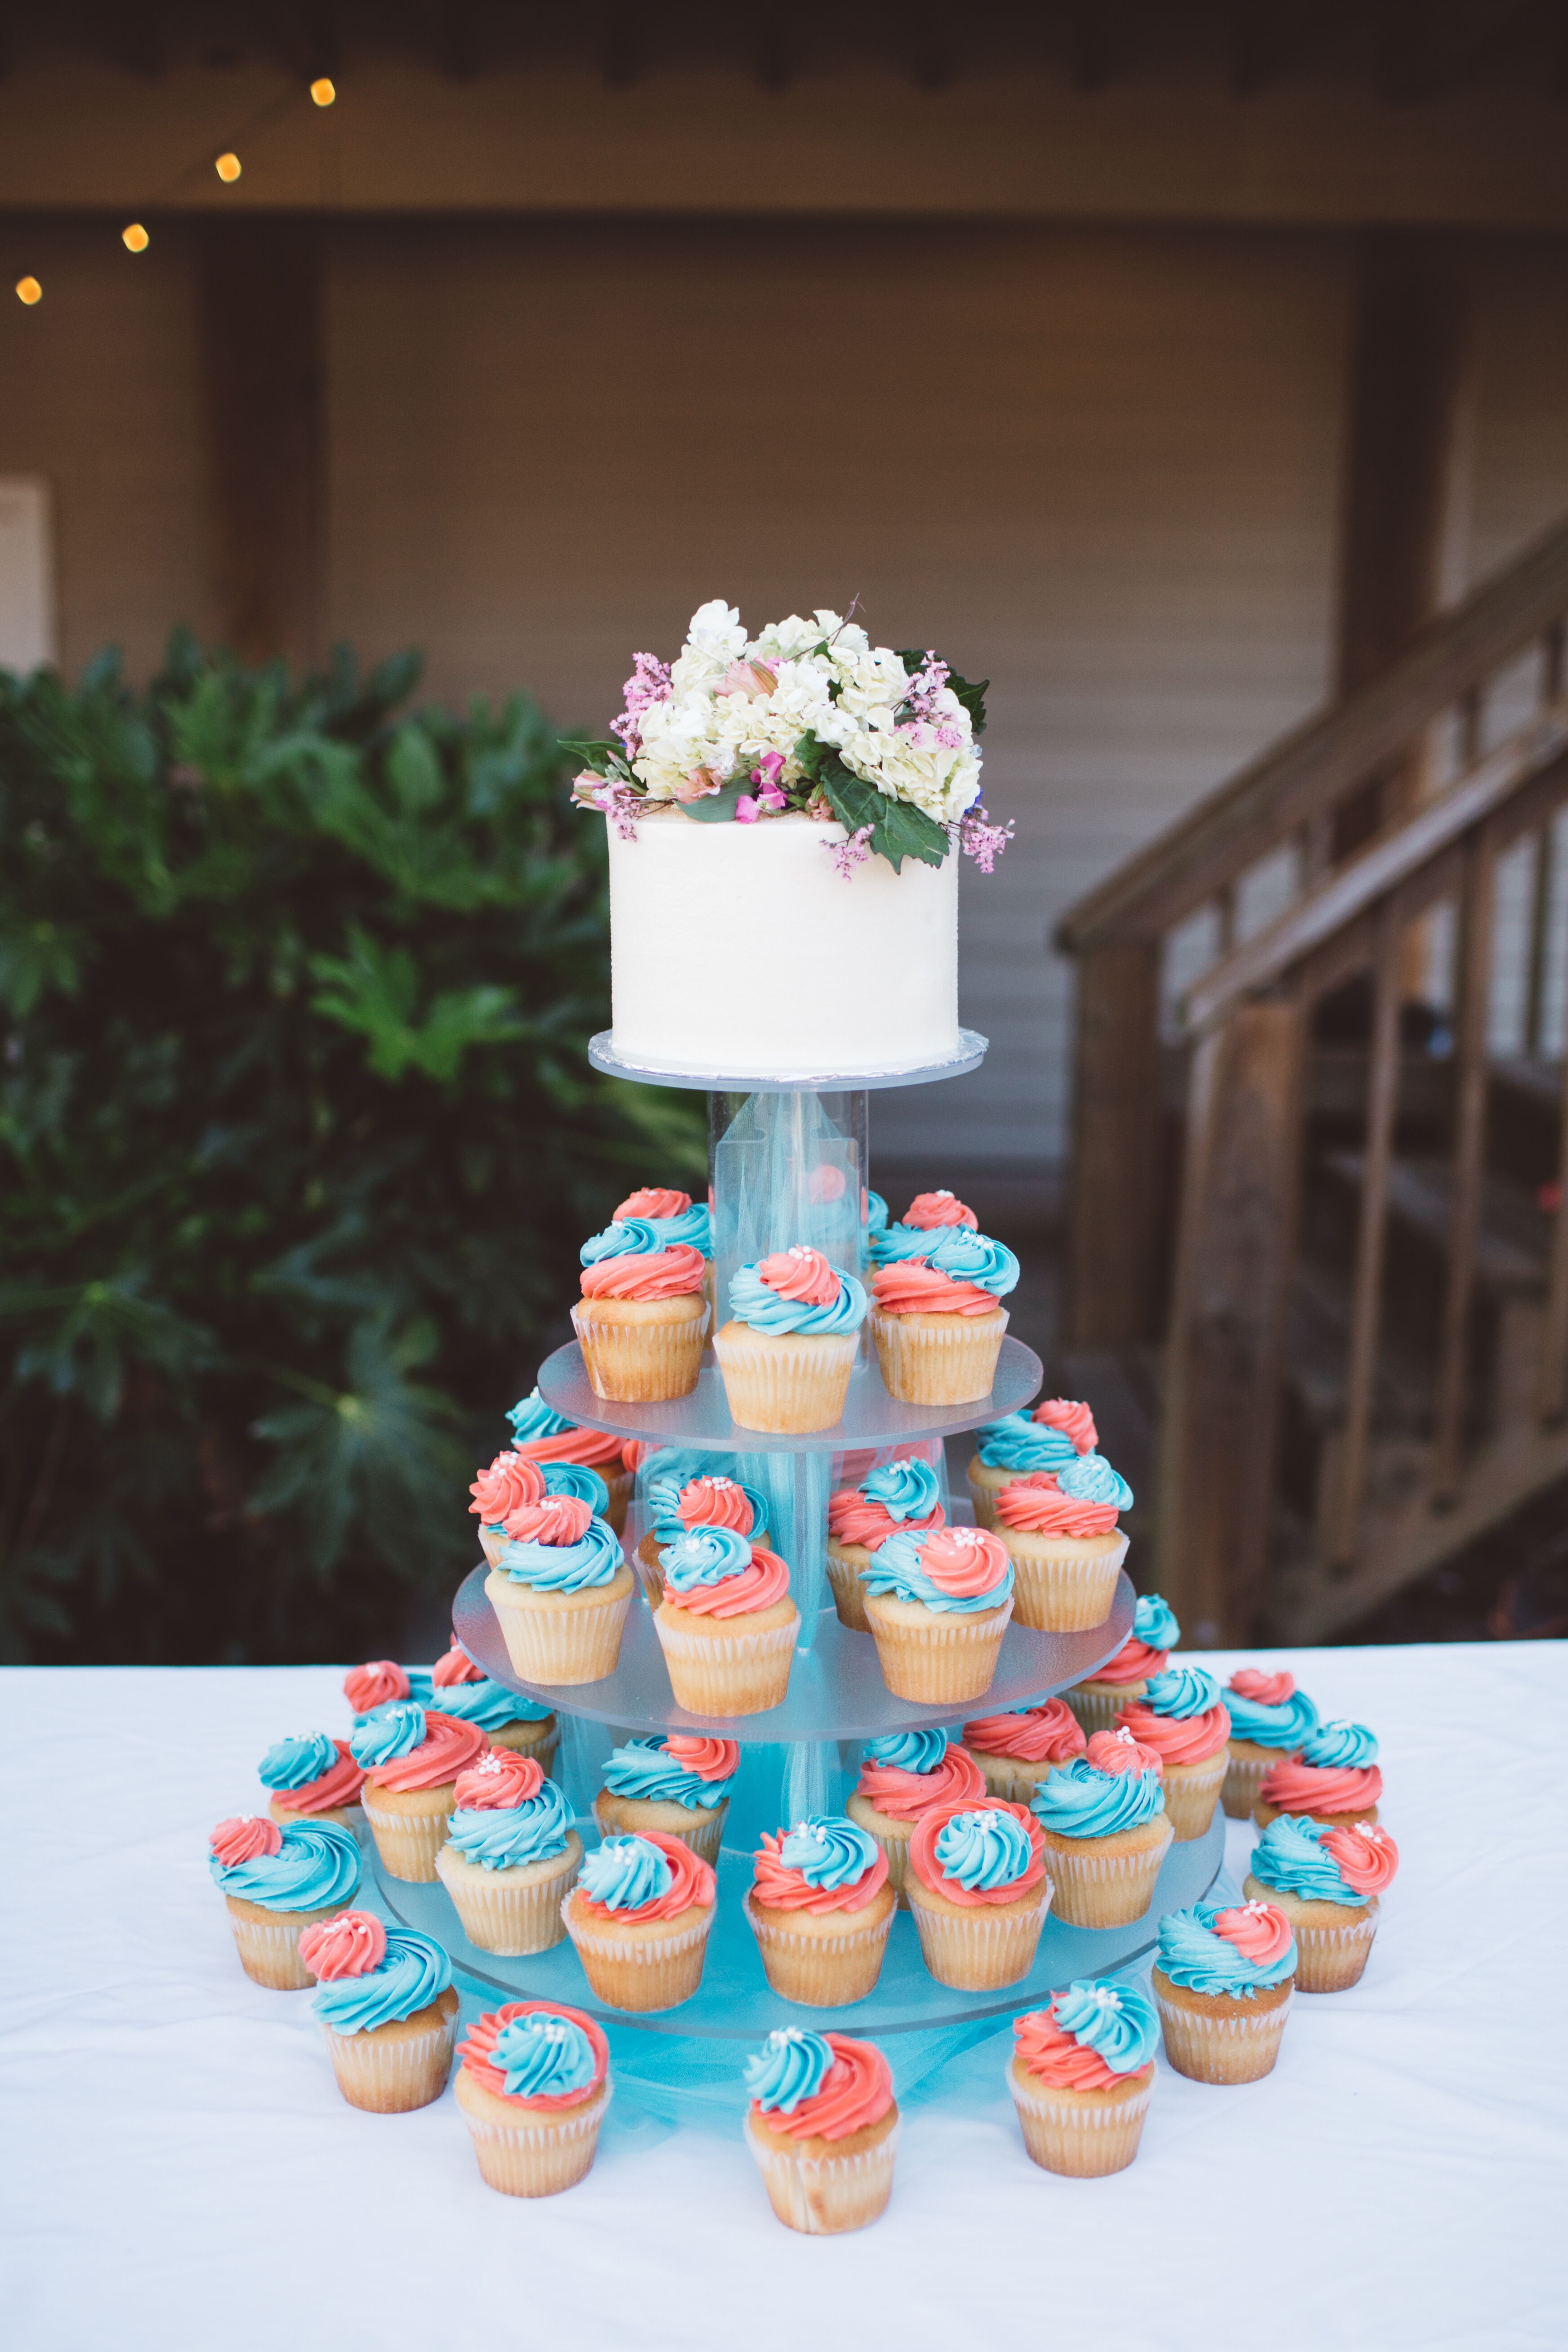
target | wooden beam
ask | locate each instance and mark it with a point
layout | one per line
(1115, 1096)
(1554, 1401)
(1227, 1326)
(1366, 1298)
(1476, 912)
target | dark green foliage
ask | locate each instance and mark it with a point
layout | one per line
(899, 829)
(298, 1139)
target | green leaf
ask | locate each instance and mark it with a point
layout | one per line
(897, 829)
(715, 808)
(414, 770)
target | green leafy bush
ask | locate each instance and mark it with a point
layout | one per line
(297, 1138)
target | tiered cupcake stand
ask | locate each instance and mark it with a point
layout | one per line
(787, 1164)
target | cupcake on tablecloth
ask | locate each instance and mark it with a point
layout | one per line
(1018, 1750)
(938, 1601)
(382, 1681)
(726, 1624)
(313, 1777)
(821, 1909)
(1222, 1984)
(640, 1916)
(1022, 1444)
(789, 1346)
(533, 2084)
(412, 1756)
(1103, 1818)
(510, 1854)
(1145, 1652)
(1326, 1882)
(679, 1784)
(388, 2008)
(978, 1888)
(643, 1316)
(1081, 2075)
(823, 2125)
(1061, 1533)
(546, 1438)
(277, 1883)
(937, 1319)
(902, 1775)
(710, 1499)
(1333, 1777)
(1270, 1718)
(459, 1688)
(561, 1593)
(900, 1496)
(1181, 1716)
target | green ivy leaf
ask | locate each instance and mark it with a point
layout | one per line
(715, 808)
(898, 830)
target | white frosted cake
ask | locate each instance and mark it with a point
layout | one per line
(741, 950)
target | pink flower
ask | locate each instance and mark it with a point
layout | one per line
(698, 784)
(754, 679)
(746, 810)
(649, 683)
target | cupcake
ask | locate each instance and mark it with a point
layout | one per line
(1145, 1652)
(936, 1319)
(643, 1316)
(679, 1221)
(1059, 1528)
(1081, 2073)
(1222, 1985)
(380, 1681)
(277, 1883)
(1326, 1882)
(510, 1483)
(533, 2084)
(1180, 1717)
(1103, 1818)
(788, 1349)
(821, 1908)
(1016, 1750)
(860, 1520)
(978, 1888)
(823, 2125)
(459, 1688)
(1333, 1777)
(938, 1603)
(561, 1593)
(313, 1777)
(548, 1438)
(640, 1916)
(510, 1854)
(902, 1776)
(412, 1756)
(679, 1784)
(726, 1624)
(711, 1499)
(387, 2008)
(1270, 1718)
(1022, 1443)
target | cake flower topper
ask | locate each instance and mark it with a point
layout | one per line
(808, 718)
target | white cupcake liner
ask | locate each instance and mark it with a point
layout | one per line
(408, 1844)
(820, 1971)
(938, 1360)
(1095, 1888)
(894, 1849)
(1056, 1590)
(493, 1542)
(981, 1949)
(390, 2071)
(848, 1594)
(639, 1363)
(822, 2196)
(1239, 2044)
(785, 1386)
(1010, 1777)
(625, 1973)
(522, 1739)
(945, 1659)
(511, 1912)
(1191, 1792)
(728, 1674)
(1098, 1706)
(1242, 1779)
(269, 1944)
(1074, 2132)
(538, 2154)
(1329, 1956)
(559, 1645)
(982, 1493)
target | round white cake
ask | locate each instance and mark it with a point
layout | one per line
(740, 951)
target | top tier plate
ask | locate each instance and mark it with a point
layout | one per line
(971, 1053)
(701, 1420)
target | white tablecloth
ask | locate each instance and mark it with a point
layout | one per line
(177, 2167)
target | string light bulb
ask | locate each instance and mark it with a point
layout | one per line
(227, 167)
(134, 238)
(323, 93)
(29, 291)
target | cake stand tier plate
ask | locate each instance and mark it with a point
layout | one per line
(971, 1053)
(836, 1688)
(735, 2002)
(872, 1418)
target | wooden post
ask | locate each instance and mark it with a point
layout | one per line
(259, 307)
(1115, 1143)
(1475, 910)
(1229, 1318)
(1366, 1297)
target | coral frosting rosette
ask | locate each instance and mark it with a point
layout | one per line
(1333, 1777)
(1182, 1717)
(1018, 1750)
(679, 1783)
(388, 2009)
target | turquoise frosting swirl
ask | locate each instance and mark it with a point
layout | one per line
(693, 1229)
(317, 1863)
(829, 1851)
(532, 1418)
(625, 1873)
(644, 1771)
(984, 1849)
(907, 1751)
(1089, 1478)
(966, 1256)
(704, 1556)
(752, 1302)
(1191, 1954)
(670, 1526)
(489, 1704)
(627, 1237)
(304, 1755)
(1119, 2022)
(876, 1213)
(792, 2064)
(544, 2057)
(1154, 1623)
(595, 1559)
(1022, 1444)
(1289, 1857)
(421, 1687)
(505, 1838)
(1284, 1727)
(896, 1568)
(1077, 1801)
(1181, 1692)
(413, 1971)
(1338, 1744)
(576, 1479)
(895, 1244)
(395, 1730)
(906, 1490)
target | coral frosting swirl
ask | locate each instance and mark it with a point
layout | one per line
(542, 1435)
(714, 1573)
(312, 1864)
(905, 1790)
(536, 2054)
(680, 1769)
(1039, 1506)
(668, 1273)
(825, 1863)
(1298, 1788)
(1240, 1950)
(796, 1290)
(930, 1210)
(332, 1784)
(1090, 2036)
(900, 1495)
(649, 1877)
(1269, 1709)
(509, 1484)
(1296, 1855)
(946, 1569)
(411, 1747)
(411, 1973)
(971, 1854)
(1179, 1716)
(818, 2086)
(373, 1684)
(1047, 1734)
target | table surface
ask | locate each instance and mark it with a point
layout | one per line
(177, 2167)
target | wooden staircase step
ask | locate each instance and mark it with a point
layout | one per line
(1512, 1244)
